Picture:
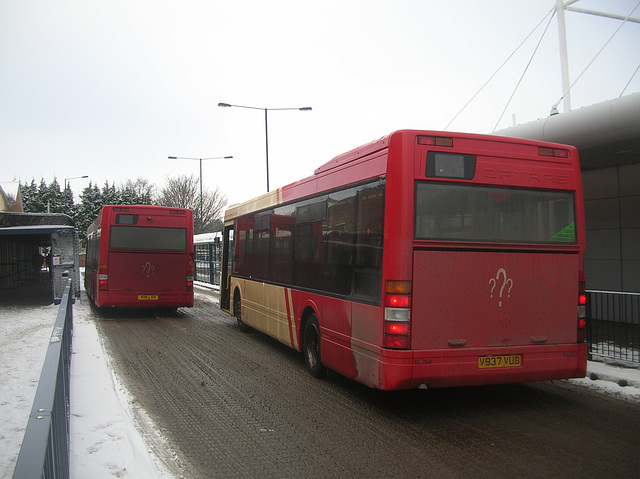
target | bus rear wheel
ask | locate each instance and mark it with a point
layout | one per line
(311, 348)
(237, 312)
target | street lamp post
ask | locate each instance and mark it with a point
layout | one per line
(266, 129)
(200, 160)
(66, 180)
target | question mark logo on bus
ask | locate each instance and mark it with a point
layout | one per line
(148, 269)
(504, 283)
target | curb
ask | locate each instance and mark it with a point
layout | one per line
(607, 372)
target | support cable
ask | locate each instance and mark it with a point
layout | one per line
(523, 73)
(551, 12)
(627, 85)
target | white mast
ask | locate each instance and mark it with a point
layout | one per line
(562, 38)
(564, 62)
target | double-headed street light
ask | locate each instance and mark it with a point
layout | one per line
(200, 160)
(66, 181)
(266, 129)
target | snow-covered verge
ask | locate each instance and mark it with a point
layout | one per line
(612, 378)
(24, 334)
(111, 436)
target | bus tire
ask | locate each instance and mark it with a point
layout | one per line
(237, 312)
(311, 347)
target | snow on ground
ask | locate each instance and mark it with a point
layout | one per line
(24, 335)
(611, 377)
(111, 436)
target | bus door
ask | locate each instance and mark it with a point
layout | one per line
(227, 258)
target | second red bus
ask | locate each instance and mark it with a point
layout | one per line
(140, 256)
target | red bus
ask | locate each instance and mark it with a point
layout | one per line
(140, 256)
(423, 259)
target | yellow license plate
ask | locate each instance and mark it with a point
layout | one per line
(147, 297)
(507, 361)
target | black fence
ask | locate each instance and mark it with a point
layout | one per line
(614, 325)
(45, 448)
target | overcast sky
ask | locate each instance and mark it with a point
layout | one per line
(110, 89)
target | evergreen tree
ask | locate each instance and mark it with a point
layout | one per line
(44, 195)
(109, 195)
(31, 201)
(90, 205)
(52, 196)
(180, 192)
(67, 201)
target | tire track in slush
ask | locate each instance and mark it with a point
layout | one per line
(242, 405)
(230, 423)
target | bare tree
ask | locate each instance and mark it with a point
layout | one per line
(184, 192)
(139, 191)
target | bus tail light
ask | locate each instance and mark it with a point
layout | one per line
(582, 312)
(190, 274)
(102, 277)
(397, 315)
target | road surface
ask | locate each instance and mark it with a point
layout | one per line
(236, 405)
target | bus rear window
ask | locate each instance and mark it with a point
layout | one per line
(445, 211)
(143, 238)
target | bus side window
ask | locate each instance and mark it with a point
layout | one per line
(369, 237)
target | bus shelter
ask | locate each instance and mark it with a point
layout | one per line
(37, 251)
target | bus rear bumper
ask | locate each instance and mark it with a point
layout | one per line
(120, 299)
(464, 367)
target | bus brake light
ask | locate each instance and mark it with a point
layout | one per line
(102, 277)
(397, 315)
(582, 312)
(396, 327)
(397, 300)
(190, 274)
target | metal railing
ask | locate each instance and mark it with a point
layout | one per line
(614, 325)
(45, 448)
(207, 259)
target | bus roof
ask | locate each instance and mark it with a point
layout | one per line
(356, 153)
(311, 184)
(157, 207)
